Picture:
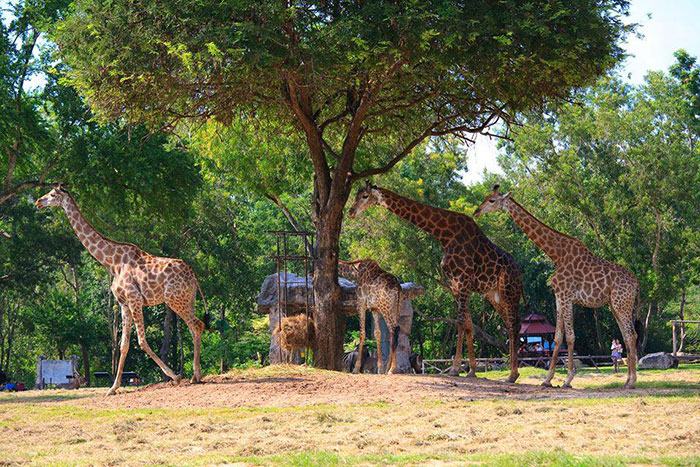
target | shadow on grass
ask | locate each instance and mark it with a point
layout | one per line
(19, 398)
(649, 385)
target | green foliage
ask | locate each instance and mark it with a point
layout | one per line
(618, 172)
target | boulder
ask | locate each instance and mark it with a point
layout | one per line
(657, 361)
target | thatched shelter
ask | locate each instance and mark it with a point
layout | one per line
(296, 290)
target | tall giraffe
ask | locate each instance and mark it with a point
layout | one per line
(140, 279)
(471, 263)
(580, 278)
(380, 293)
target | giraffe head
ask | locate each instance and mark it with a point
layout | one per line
(54, 197)
(367, 196)
(349, 269)
(493, 202)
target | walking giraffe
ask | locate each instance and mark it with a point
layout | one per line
(140, 279)
(380, 293)
(471, 263)
(580, 278)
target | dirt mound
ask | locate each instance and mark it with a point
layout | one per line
(286, 386)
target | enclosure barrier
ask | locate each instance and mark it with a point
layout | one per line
(442, 366)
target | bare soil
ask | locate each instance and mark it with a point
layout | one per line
(298, 386)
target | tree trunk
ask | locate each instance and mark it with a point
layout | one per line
(11, 321)
(681, 316)
(3, 302)
(645, 332)
(598, 332)
(328, 322)
(86, 363)
(223, 366)
(167, 334)
(114, 331)
(179, 344)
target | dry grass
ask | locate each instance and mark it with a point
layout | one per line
(579, 429)
(296, 333)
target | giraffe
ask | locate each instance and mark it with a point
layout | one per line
(580, 278)
(380, 293)
(471, 263)
(140, 279)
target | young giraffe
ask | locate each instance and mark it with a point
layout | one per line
(380, 293)
(580, 278)
(471, 263)
(140, 279)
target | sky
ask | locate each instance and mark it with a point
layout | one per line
(666, 26)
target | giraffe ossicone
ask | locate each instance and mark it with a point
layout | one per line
(471, 263)
(580, 278)
(140, 279)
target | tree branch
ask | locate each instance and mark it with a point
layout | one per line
(430, 131)
(7, 194)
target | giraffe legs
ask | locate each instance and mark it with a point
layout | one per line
(196, 327)
(378, 338)
(570, 339)
(513, 344)
(465, 326)
(510, 316)
(137, 314)
(622, 307)
(393, 343)
(123, 348)
(358, 361)
(558, 338)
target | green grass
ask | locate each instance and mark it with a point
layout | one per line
(554, 458)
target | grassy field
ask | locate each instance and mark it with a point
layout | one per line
(594, 425)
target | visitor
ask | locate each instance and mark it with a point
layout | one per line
(616, 353)
(10, 385)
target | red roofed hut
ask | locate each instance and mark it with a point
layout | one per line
(535, 328)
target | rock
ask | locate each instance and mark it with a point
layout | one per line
(657, 361)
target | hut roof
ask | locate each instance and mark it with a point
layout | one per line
(535, 325)
(297, 292)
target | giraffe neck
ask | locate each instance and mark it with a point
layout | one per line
(553, 243)
(435, 221)
(347, 271)
(96, 244)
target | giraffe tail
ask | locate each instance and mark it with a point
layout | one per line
(206, 319)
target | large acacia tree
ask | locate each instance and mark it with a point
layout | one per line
(363, 82)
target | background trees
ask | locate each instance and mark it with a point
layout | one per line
(617, 168)
(362, 84)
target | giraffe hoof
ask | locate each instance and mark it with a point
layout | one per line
(471, 374)
(453, 372)
(512, 379)
(546, 384)
(629, 386)
(196, 380)
(111, 392)
(566, 386)
(177, 379)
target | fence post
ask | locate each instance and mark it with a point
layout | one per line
(673, 325)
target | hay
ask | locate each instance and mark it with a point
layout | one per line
(295, 333)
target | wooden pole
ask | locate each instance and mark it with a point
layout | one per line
(673, 326)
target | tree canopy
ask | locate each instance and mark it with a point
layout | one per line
(365, 83)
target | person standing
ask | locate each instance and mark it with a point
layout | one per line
(616, 353)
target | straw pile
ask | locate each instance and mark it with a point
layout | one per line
(296, 333)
